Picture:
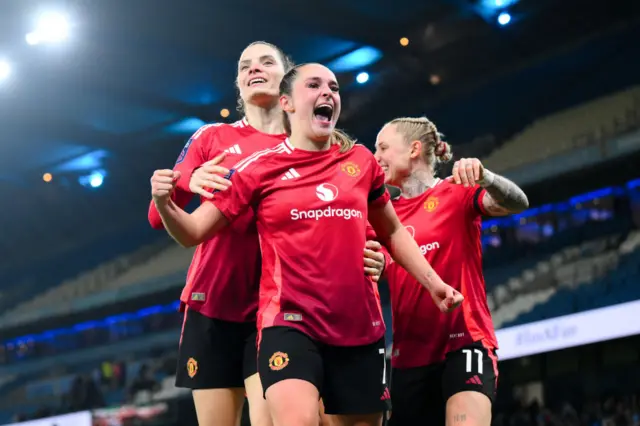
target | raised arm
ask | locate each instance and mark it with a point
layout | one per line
(503, 196)
(179, 197)
(406, 253)
(187, 229)
(204, 179)
(213, 215)
(196, 151)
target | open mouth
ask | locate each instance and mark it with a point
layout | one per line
(256, 81)
(323, 113)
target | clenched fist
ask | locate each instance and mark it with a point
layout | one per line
(163, 182)
(446, 297)
(468, 172)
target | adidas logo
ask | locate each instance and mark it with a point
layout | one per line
(475, 380)
(234, 149)
(291, 174)
(386, 395)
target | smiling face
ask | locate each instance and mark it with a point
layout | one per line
(312, 101)
(260, 70)
(394, 154)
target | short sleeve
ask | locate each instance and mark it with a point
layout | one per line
(474, 198)
(378, 195)
(239, 197)
(194, 154)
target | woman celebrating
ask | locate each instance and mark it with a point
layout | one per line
(320, 323)
(441, 363)
(217, 354)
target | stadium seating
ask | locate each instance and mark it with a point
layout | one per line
(589, 283)
(124, 270)
(21, 282)
(567, 268)
(564, 131)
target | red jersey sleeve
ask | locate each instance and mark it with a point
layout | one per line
(378, 195)
(241, 195)
(474, 198)
(195, 152)
(180, 197)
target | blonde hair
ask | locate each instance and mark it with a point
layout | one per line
(434, 148)
(338, 137)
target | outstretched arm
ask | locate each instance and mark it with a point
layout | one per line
(406, 253)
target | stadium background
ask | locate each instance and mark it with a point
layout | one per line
(96, 95)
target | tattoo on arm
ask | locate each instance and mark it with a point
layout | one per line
(508, 196)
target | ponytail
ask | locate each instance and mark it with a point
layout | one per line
(443, 151)
(338, 137)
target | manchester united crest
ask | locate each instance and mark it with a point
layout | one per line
(278, 361)
(350, 168)
(431, 204)
(192, 367)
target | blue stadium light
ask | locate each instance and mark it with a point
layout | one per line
(359, 58)
(491, 7)
(187, 126)
(565, 206)
(84, 162)
(632, 184)
(96, 179)
(107, 322)
(93, 180)
(51, 28)
(362, 77)
(504, 18)
(5, 69)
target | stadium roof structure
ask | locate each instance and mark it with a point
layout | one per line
(135, 78)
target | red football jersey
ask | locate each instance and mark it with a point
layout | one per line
(311, 210)
(446, 223)
(224, 275)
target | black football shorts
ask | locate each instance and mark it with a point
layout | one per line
(215, 354)
(419, 395)
(350, 380)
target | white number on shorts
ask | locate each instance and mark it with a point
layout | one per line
(469, 355)
(384, 366)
